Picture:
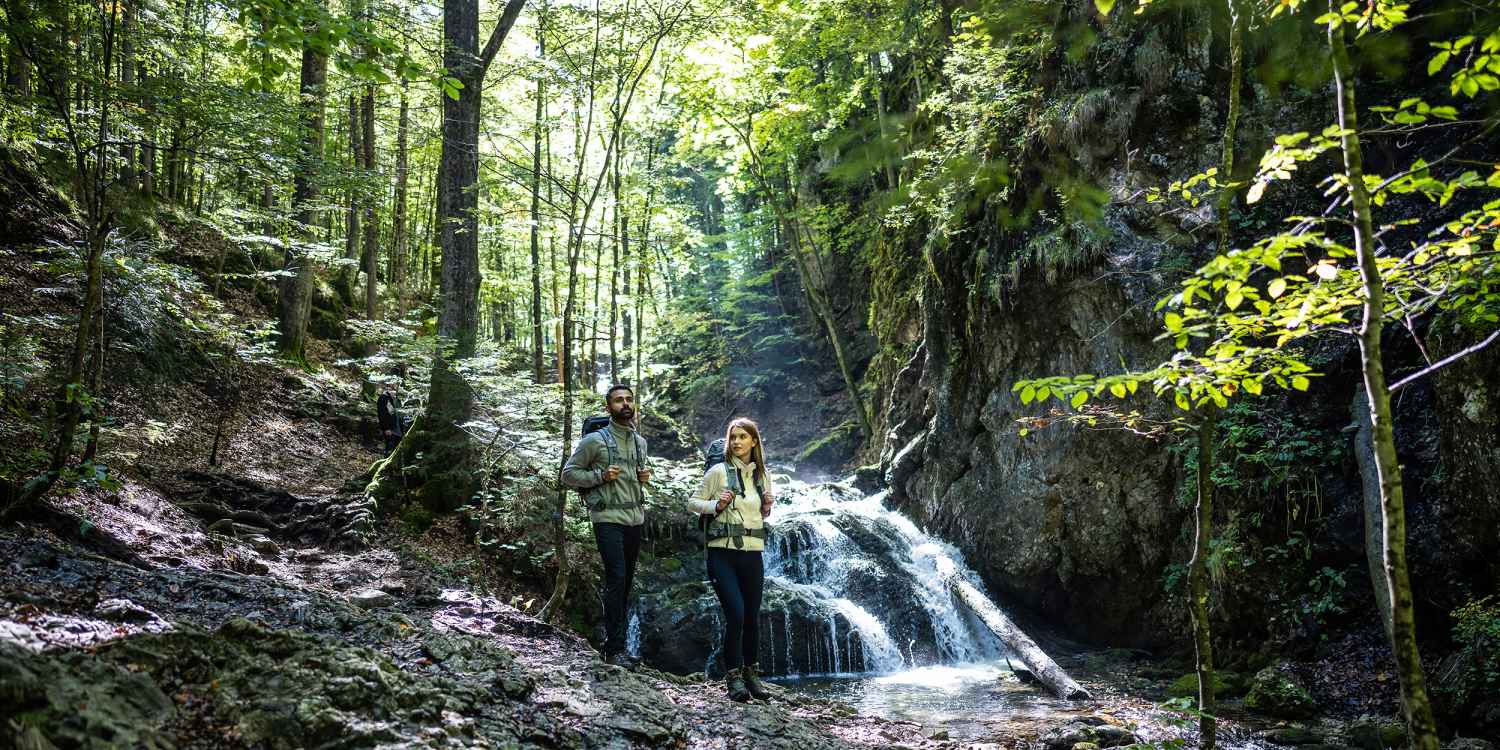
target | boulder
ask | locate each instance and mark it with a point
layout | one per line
(1375, 733)
(1469, 743)
(1294, 736)
(1186, 686)
(1088, 731)
(867, 479)
(1277, 691)
(371, 599)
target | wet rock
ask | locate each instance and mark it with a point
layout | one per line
(1293, 736)
(123, 610)
(1187, 686)
(1277, 691)
(867, 479)
(1375, 733)
(1082, 732)
(1469, 743)
(264, 546)
(371, 599)
(74, 700)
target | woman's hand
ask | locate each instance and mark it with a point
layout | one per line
(767, 501)
(725, 498)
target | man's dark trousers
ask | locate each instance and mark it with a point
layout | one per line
(619, 546)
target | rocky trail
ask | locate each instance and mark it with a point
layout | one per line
(325, 648)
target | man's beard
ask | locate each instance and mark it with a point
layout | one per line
(625, 415)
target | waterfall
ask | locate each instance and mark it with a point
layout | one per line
(880, 652)
(633, 634)
(838, 564)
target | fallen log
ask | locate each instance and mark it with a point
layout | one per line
(1041, 665)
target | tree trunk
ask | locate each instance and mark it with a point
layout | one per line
(399, 243)
(1040, 663)
(353, 215)
(17, 72)
(96, 379)
(450, 460)
(886, 143)
(620, 252)
(1421, 727)
(536, 206)
(554, 604)
(127, 82)
(1203, 515)
(295, 291)
(372, 230)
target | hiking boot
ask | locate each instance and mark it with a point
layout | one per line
(753, 684)
(736, 685)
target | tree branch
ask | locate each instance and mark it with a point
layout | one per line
(502, 28)
(1444, 362)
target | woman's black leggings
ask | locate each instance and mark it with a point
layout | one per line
(737, 577)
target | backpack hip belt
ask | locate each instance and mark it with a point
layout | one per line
(720, 530)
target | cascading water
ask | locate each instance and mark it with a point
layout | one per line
(856, 577)
(633, 634)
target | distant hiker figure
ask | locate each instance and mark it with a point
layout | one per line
(609, 465)
(737, 492)
(392, 426)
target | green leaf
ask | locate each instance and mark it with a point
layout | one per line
(1118, 390)
(1027, 394)
(1276, 288)
(1182, 401)
(1301, 382)
(1104, 6)
(1079, 399)
(1256, 191)
(1234, 299)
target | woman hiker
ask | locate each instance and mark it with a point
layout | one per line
(738, 494)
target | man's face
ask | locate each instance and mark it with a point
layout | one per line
(621, 405)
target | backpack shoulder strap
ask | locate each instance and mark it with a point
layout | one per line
(609, 444)
(732, 479)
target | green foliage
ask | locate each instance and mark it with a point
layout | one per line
(1476, 633)
(20, 353)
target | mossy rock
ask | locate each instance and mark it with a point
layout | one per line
(1277, 692)
(1227, 684)
(833, 449)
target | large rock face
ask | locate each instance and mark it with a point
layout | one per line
(1072, 523)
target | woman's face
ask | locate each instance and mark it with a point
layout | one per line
(740, 443)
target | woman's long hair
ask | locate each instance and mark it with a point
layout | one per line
(757, 453)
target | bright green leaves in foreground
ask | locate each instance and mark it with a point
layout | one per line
(1236, 321)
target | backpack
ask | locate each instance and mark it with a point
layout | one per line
(713, 456)
(596, 423)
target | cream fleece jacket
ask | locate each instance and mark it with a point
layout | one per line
(744, 510)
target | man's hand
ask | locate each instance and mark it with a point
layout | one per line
(643, 475)
(612, 473)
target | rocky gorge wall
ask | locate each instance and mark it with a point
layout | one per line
(1084, 527)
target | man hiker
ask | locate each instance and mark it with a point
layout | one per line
(609, 467)
(388, 407)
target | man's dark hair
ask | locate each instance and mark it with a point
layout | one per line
(617, 387)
